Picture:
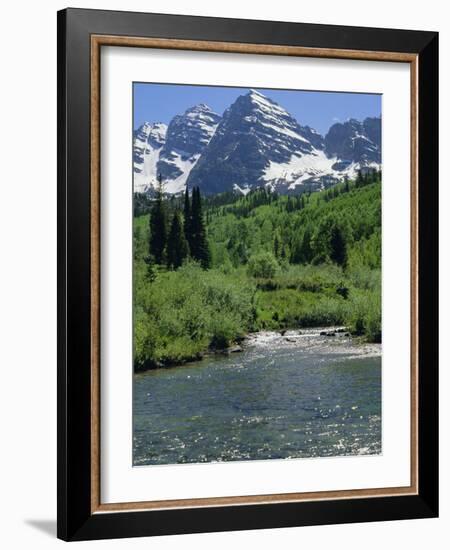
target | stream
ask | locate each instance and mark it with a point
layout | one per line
(311, 393)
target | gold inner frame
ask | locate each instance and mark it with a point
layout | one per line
(97, 41)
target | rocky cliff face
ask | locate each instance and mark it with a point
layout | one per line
(355, 141)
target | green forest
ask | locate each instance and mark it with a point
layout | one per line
(209, 270)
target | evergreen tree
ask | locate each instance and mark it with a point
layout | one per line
(366, 178)
(187, 218)
(177, 248)
(346, 184)
(295, 251)
(306, 248)
(338, 246)
(359, 179)
(277, 244)
(158, 225)
(199, 242)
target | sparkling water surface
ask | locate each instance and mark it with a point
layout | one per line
(258, 404)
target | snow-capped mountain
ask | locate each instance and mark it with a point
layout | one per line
(256, 142)
(176, 151)
(254, 132)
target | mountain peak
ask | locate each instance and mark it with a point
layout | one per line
(259, 98)
(149, 131)
(256, 93)
(254, 132)
(199, 108)
(269, 107)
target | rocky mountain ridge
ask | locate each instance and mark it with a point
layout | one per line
(255, 143)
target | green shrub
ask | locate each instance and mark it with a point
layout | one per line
(364, 316)
(185, 312)
(263, 266)
(289, 308)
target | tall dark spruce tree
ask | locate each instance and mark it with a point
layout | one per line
(158, 225)
(198, 241)
(177, 248)
(187, 218)
(338, 245)
(346, 184)
(359, 179)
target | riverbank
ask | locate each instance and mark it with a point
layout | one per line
(333, 341)
(328, 340)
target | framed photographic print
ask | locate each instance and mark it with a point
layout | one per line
(247, 274)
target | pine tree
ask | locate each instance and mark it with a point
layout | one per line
(346, 184)
(366, 178)
(277, 244)
(199, 242)
(359, 179)
(338, 246)
(158, 225)
(177, 248)
(306, 247)
(187, 218)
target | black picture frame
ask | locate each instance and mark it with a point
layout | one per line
(75, 518)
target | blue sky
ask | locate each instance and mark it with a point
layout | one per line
(161, 102)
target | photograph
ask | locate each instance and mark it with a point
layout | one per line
(257, 248)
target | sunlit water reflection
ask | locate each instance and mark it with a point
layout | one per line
(258, 404)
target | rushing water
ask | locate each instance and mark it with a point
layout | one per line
(266, 402)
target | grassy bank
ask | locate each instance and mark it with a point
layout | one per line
(276, 263)
(182, 314)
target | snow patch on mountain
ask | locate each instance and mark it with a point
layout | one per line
(184, 165)
(149, 140)
(285, 131)
(306, 168)
(244, 190)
